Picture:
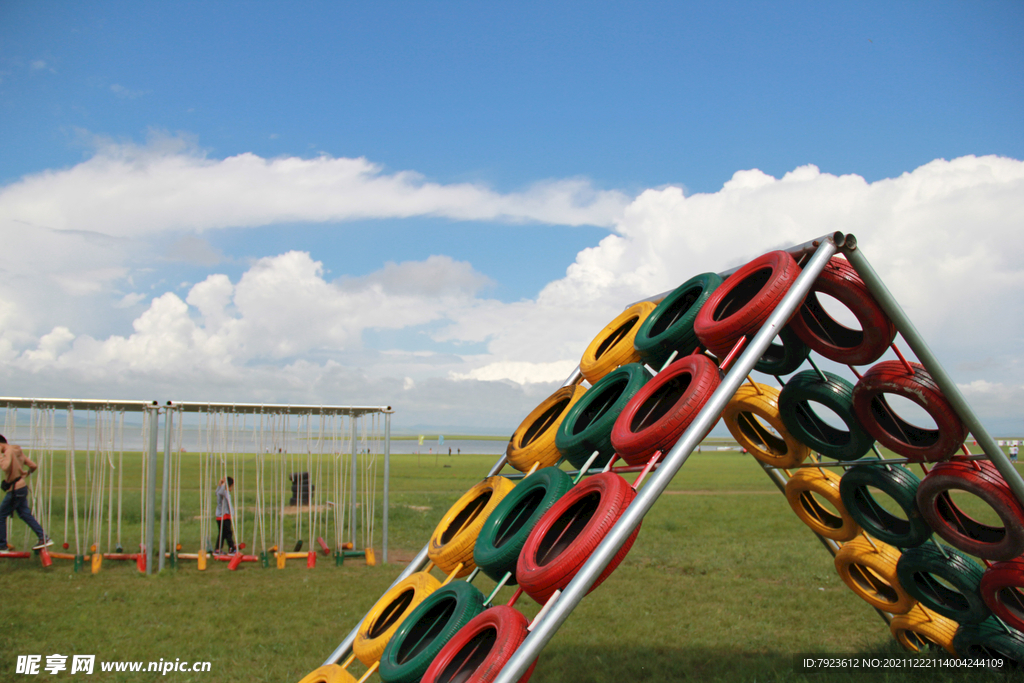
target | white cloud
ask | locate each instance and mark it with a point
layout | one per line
(168, 185)
(521, 372)
(946, 238)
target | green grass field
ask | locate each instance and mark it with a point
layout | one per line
(724, 583)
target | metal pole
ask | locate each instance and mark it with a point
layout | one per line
(355, 473)
(676, 457)
(924, 353)
(418, 563)
(154, 426)
(387, 479)
(165, 494)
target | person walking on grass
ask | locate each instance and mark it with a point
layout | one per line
(15, 466)
(225, 534)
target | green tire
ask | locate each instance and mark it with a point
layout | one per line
(898, 483)
(836, 394)
(944, 580)
(588, 425)
(783, 356)
(427, 629)
(505, 532)
(669, 327)
(989, 640)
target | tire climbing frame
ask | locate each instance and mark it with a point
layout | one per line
(738, 353)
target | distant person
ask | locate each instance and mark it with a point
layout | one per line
(1013, 451)
(225, 534)
(16, 466)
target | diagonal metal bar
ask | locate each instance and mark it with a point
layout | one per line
(674, 460)
(924, 354)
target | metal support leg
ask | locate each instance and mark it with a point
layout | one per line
(165, 493)
(154, 426)
(387, 480)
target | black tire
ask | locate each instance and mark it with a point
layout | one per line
(989, 640)
(427, 629)
(588, 425)
(898, 483)
(505, 532)
(836, 394)
(669, 327)
(785, 355)
(944, 580)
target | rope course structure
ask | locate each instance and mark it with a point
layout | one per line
(649, 388)
(301, 475)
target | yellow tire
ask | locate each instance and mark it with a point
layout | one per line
(613, 346)
(920, 628)
(802, 492)
(871, 574)
(329, 673)
(453, 540)
(386, 616)
(752, 417)
(534, 440)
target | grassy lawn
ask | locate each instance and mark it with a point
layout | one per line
(724, 583)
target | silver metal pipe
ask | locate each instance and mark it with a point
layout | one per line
(920, 348)
(387, 481)
(165, 493)
(674, 460)
(288, 408)
(154, 426)
(353, 490)
(70, 403)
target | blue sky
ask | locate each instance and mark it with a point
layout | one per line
(534, 164)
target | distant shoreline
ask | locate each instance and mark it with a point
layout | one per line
(451, 437)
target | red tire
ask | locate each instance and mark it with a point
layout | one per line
(481, 648)
(1002, 589)
(742, 304)
(833, 340)
(661, 411)
(917, 444)
(962, 531)
(568, 533)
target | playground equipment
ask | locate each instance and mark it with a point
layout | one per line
(329, 455)
(561, 539)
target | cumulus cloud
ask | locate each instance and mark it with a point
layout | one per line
(946, 238)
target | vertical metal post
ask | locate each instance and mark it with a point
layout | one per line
(353, 488)
(924, 353)
(165, 493)
(154, 427)
(545, 629)
(387, 479)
